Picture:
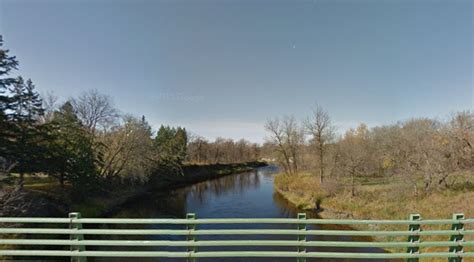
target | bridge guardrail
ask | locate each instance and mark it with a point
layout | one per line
(80, 235)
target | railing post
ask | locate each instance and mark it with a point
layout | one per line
(456, 248)
(191, 227)
(76, 225)
(415, 238)
(301, 237)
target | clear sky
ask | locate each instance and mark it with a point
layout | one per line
(221, 68)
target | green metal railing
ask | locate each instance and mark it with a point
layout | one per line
(81, 243)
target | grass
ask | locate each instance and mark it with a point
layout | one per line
(30, 181)
(91, 208)
(383, 200)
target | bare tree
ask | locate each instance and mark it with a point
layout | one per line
(288, 137)
(95, 110)
(354, 154)
(50, 104)
(127, 151)
(222, 150)
(197, 148)
(460, 131)
(294, 136)
(321, 130)
(277, 137)
(420, 153)
(425, 153)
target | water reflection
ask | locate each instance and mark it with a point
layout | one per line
(241, 195)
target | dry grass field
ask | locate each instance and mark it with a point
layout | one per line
(387, 200)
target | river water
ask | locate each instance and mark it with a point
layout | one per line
(244, 195)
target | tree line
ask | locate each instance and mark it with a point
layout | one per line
(426, 153)
(87, 143)
(222, 150)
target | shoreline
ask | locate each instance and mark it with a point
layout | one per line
(325, 213)
(53, 201)
(376, 201)
(193, 174)
(379, 201)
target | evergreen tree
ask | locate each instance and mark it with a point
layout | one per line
(171, 144)
(20, 108)
(180, 143)
(70, 156)
(7, 64)
(25, 109)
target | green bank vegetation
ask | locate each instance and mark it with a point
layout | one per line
(85, 147)
(105, 205)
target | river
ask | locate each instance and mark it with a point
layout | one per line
(243, 195)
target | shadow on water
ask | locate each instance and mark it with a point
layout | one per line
(245, 195)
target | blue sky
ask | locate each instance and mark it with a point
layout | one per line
(221, 68)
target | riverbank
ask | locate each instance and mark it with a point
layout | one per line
(103, 206)
(388, 200)
(58, 201)
(195, 173)
(376, 201)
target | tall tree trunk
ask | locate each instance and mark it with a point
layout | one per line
(21, 181)
(321, 164)
(353, 183)
(321, 177)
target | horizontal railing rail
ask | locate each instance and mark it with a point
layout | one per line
(227, 221)
(18, 239)
(232, 232)
(213, 243)
(215, 254)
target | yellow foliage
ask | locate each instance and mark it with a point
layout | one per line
(388, 163)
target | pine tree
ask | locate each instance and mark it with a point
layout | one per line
(7, 64)
(70, 155)
(180, 144)
(26, 108)
(170, 144)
